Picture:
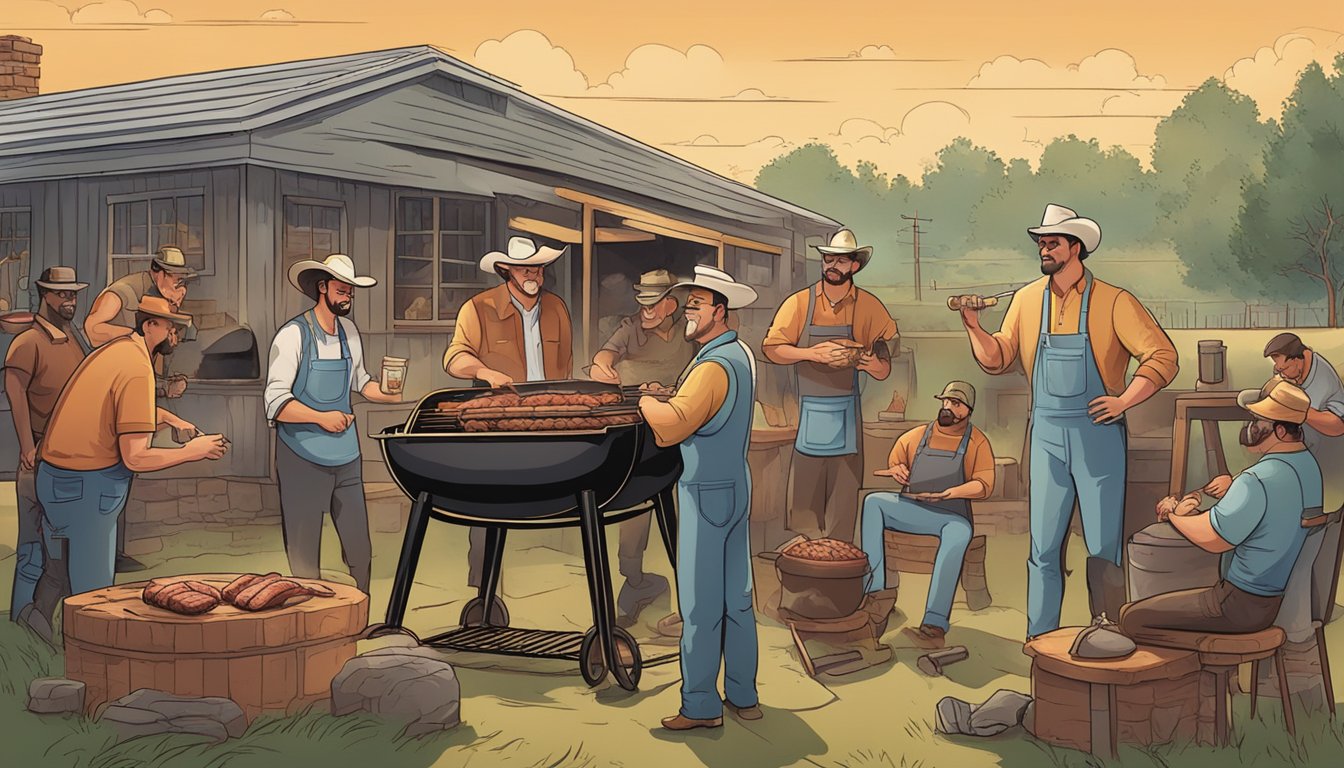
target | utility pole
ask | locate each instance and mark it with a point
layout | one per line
(919, 288)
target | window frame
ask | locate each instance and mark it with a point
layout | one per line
(147, 197)
(487, 232)
(27, 271)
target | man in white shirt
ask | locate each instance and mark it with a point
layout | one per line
(317, 360)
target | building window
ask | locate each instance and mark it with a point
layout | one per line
(755, 268)
(312, 231)
(439, 245)
(15, 243)
(143, 225)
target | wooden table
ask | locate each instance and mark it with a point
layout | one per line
(1094, 704)
(1208, 408)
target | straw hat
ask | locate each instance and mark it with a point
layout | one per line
(1058, 220)
(653, 286)
(1282, 402)
(170, 259)
(157, 306)
(305, 274)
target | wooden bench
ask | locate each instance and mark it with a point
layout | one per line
(1149, 697)
(914, 553)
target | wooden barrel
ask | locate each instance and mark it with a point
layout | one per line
(915, 553)
(1161, 560)
(278, 661)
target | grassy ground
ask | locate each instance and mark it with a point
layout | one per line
(536, 714)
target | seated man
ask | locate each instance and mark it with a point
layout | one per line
(943, 466)
(1258, 521)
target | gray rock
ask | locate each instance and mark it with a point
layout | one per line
(148, 712)
(412, 685)
(1029, 718)
(55, 695)
(954, 716)
(1000, 712)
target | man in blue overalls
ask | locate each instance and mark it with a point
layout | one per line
(317, 360)
(1076, 337)
(710, 417)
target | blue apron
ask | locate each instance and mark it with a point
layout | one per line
(828, 418)
(323, 385)
(1071, 458)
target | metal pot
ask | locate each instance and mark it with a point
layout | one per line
(1161, 560)
(821, 589)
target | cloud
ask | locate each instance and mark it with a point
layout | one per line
(1110, 68)
(277, 14)
(119, 12)
(874, 52)
(1270, 75)
(659, 71)
(528, 58)
(752, 94)
(740, 162)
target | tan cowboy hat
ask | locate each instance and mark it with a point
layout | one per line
(305, 274)
(522, 252)
(652, 286)
(157, 306)
(60, 279)
(1058, 220)
(710, 278)
(170, 259)
(845, 243)
(1279, 402)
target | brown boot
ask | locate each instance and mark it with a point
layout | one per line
(878, 605)
(744, 713)
(680, 722)
(926, 636)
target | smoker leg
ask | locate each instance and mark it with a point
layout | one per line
(666, 511)
(406, 565)
(599, 580)
(494, 559)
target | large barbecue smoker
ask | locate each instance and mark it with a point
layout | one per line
(601, 467)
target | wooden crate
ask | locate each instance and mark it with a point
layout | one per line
(280, 660)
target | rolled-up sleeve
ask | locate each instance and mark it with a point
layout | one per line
(697, 400)
(1008, 337)
(466, 334)
(875, 322)
(1240, 510)
(1140, 334)
(787, 327)
(282, 371)
(619, 343)
(980, 464)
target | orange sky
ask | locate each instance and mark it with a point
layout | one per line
(720, 82)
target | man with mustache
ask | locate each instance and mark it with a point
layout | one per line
(113, 316)
(1075, 336)
(1259, 525)
(650, 346)
(317, 360)
(808, 332)
(38, 364)
(516, 331)
(944, 467)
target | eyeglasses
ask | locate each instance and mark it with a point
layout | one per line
(66, 295)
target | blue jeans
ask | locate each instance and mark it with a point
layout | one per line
(882, 511)
(82, 508)
(714, 594)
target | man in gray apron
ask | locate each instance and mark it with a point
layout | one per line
(943, 466)
(317, 360)
(806, 332)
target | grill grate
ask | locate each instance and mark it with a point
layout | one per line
(532, 643)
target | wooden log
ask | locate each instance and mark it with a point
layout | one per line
(269, 661)
(932, 664)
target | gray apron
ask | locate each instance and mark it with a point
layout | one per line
(937, 470)
(828, 419)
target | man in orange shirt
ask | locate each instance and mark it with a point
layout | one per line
(99, 435)
(1076, 337)
(944, 467)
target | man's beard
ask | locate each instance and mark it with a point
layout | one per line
(65, 312)
(1050, 266)
(530, 287)
(840, 279)
(947, 418)
(1254, 434)
(339, 309)
(691, 328)
(164, 348)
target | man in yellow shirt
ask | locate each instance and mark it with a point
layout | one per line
(944, 467)
(98, 437)
(807, 332)
(1075, 336)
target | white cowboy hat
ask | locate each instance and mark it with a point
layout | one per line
(522, 252)
(738, 294)
(844, 242)
(1058, 220)
(337, 266)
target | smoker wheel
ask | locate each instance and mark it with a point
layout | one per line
(472, 614)
(594, 668)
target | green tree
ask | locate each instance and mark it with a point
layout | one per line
(1204, 155)
(1289, 234)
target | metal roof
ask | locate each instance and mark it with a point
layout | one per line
(234, 101)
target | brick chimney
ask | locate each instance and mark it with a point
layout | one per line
(20, 67)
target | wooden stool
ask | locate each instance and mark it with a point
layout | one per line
(1149, 697)
(914, 553)
(853, 631)
(1319, 628)
(1220, 656)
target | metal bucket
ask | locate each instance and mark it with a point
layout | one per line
(1212, 361)
(1161, 560)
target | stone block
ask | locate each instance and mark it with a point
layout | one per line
(212, 487)
(55, 695)
(208, 506)
(149, 713)
(270, 498)
(245, 496)
(146, 546)
(158, 511)
(152, 490)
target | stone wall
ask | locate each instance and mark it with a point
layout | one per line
(159, 508)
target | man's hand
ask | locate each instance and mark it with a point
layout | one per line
(1106, 409)
(1165, 507)
(872, 365)
(900, 473)
(1187, 506)
(826, 353)
(603, 373)
(934, 496)
(334, 421)
(176, 386)
(494, 378)
(209, 447)
(970, 310)
(28, 458)
(1217, 487)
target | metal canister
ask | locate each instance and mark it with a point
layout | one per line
(1212, 361)
(1161, 560)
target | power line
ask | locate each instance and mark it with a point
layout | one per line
(914, 226)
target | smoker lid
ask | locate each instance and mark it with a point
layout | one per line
(235, 340)
(1160, 535)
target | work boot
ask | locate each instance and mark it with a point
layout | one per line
(33, 619)
(926, 636)
(879, 605)
(680, 722)
(744, 713)
(634, 598)
(128, 564)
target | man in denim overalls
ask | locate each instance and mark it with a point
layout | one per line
(1076, 337)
